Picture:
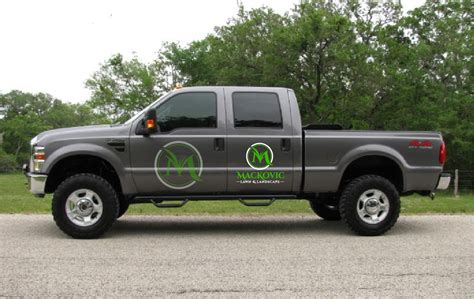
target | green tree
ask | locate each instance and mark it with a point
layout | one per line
(317, 50)
(360, 64)
(120, 87)
(7, 162)
(24, 115)
(427, 58)
(17, 133)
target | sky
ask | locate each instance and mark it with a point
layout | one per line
(53, 46)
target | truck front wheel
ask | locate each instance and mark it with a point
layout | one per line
(85, 206)
(326, 206)
(370, 205)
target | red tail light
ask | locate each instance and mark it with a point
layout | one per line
(442, 153)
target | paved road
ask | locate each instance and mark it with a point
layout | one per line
(238, 256)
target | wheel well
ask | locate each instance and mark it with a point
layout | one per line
(82, 164)
(378, 165)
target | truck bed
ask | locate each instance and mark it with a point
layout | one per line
(327, 154)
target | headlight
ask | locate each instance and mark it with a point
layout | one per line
(38, 157)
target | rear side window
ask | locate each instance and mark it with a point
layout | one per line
(256, 110)
(188, 110)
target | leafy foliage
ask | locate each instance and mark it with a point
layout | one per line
(363, 65)
(7, 162)
(24, 115)
(120, 88)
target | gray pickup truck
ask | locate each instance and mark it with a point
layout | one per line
(231, 143)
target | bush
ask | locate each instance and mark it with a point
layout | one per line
(7, 162)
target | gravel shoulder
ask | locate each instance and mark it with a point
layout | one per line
(236, 256)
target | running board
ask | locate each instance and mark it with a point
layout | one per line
(160, 198)
(160, 204)
(257, 204)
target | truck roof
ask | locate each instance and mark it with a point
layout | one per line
(241, 88)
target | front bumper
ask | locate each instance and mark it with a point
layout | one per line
(36, 182)
(443, 181)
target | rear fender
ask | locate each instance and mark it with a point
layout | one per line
(373, 150)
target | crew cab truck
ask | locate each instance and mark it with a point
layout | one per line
(231, 143)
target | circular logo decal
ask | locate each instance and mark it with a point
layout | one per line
(178, 165)
(259, 156)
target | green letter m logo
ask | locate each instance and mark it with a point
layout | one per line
(260, 156)
(179, 165)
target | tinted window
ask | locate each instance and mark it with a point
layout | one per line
(253, 109)
(188, 110)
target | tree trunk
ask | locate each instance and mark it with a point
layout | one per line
(18, 148)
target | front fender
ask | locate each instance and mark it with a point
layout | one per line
(126, 181)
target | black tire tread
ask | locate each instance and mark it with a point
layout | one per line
(57, 207)
(350, 192)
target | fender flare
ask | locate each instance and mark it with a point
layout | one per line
(126, 181)
(373, 150)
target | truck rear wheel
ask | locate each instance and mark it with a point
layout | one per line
(326, 206)
(370, 205)
(85, 206)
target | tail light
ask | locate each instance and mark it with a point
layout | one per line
(442, 153)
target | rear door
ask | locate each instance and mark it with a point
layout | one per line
(188, 155)
(259, 139)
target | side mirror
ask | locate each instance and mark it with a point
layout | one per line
(149, 123)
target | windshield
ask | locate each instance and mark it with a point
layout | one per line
(137, 115)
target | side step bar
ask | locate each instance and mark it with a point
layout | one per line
(160, 204)
(256, 204)
(246, 200)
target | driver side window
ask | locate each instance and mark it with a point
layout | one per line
(188, 110)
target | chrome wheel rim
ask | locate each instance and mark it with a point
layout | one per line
(373, 206)
(84, 207)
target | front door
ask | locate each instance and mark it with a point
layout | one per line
(260, 151)
(188, 155)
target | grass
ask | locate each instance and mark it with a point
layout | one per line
(15, 198)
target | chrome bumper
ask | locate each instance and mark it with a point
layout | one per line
(36, 182)
(444, 180)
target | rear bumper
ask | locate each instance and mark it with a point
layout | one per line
(443, 181)
(36, 182)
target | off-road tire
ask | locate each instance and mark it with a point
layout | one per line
(350, 197)
(107, 195)
(326, 207)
